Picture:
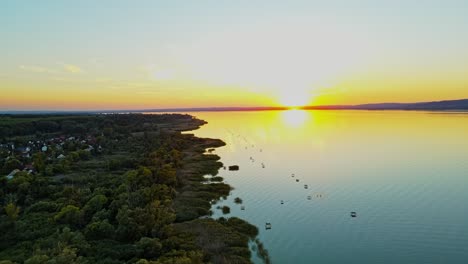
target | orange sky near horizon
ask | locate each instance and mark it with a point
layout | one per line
(90, 55)
(51, 98)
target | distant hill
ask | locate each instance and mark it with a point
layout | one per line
(430, 106)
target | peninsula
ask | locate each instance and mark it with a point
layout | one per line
(124, 188)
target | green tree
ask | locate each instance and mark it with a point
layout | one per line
(67, 256)
(150, 247)
(84, 155)
(99, 230)
(38, 259)
(39, 162)
(69, 214)
(12, 211)
(73, 156)
(167, 175)
(68, 126)
(137, 179)
(95, 204)
(11, 164)
(108, 132)
(6, 262)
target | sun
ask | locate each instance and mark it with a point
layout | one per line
(294, 98)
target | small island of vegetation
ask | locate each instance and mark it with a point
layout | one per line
(123, 188)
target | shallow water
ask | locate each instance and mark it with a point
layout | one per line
(405, 174)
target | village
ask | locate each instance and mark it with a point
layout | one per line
(50, 156)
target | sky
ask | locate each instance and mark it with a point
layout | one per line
(112, 54)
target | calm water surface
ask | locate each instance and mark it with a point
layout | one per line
(405, 174)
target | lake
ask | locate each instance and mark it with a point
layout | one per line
(405, 174)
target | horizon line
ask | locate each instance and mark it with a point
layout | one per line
(368, 106)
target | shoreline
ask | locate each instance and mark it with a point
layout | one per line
(130, 187)
(199, 163)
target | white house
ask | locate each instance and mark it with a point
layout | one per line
(12, 174)
(90, 148)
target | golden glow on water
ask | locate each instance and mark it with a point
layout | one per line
(295, 118)
(344, 132)
(399, 170)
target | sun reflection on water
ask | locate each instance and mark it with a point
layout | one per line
(295, 118)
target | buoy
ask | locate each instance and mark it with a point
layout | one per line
(309, 197)
(353, 214)
(282, 202)
(267, 226)
(242, 207)
(305, 186)
(297, 180)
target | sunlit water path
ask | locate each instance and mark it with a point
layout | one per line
(405, 174)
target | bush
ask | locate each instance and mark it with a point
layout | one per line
(226, 209)
(69, 214)
(43, 206)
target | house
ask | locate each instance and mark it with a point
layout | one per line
(44, 148)
(90, 148)
(61, 156)
(29, 168)
(12, 174)
(23, 151)
(91, 140)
